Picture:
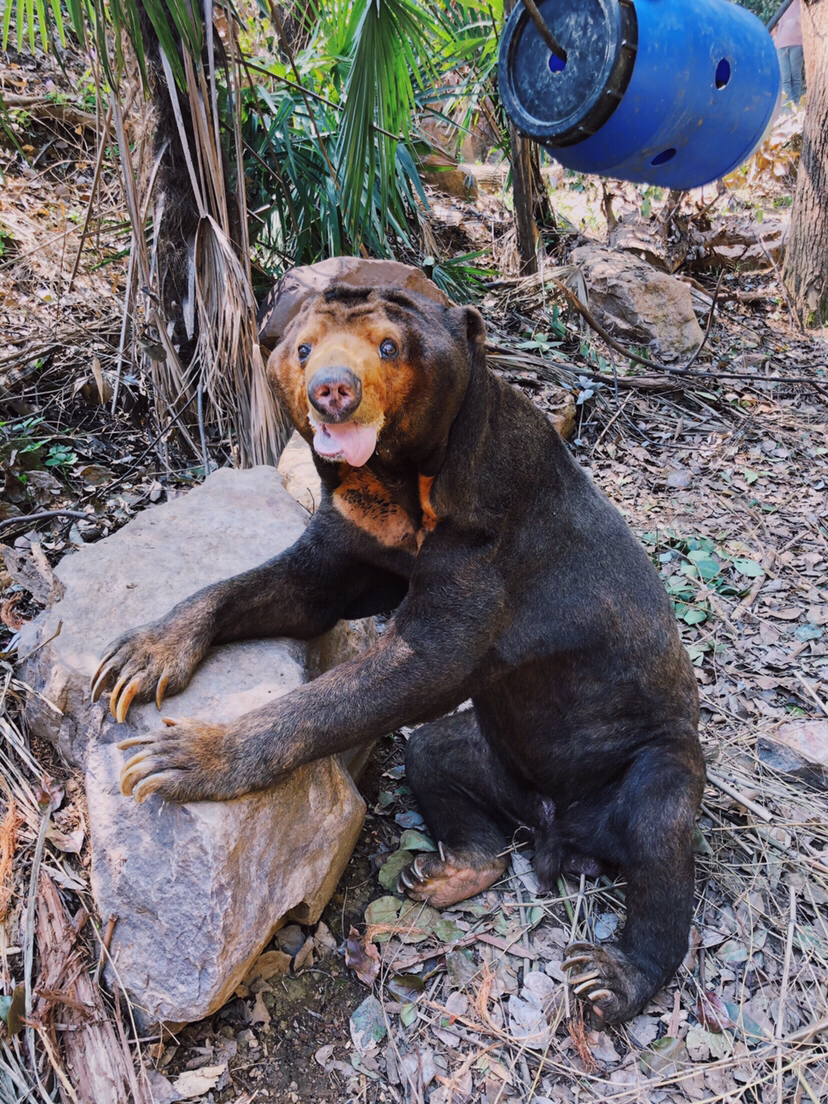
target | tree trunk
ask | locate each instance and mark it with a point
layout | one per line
(527, 231)
(805, 273)
(523, 191)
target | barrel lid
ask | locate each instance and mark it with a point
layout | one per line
(559, 103)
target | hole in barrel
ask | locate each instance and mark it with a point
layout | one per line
(722, 73)
(663, 157)
(556, 64)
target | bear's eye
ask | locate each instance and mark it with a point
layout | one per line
(388, 349)
(304, 352)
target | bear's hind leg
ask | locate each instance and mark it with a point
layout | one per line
(652, 822)
(467, 799)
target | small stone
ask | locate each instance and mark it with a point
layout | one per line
(290, 939)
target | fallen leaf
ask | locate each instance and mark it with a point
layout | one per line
(305, 955)
(732, 952)
(96, 475)
(664, 1057)
(703, 1045)
(414, 840)
(382, 913)
(13, 1010)
(527, 1014)
(447, 930)
(417, 921)
(270, 964)
(461, 968)
(746, 1025)
(260, 1013)
(409, 820)
(390, 870)
(161, 1087)
(70, 842)
(679, 479)
(367, 1025)
(605, 925)
(362, 957)
(748, 567)
(418, 1065)
(601, 1047)
(643, 1030)
(324, 1055)
(405, 987)
(711, 1012)
(323, 940)
(194, 1083)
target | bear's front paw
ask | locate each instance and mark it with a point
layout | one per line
(146, 663)
(188, 760)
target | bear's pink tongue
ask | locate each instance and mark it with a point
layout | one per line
(347, 441)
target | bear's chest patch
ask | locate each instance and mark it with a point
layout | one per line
(366, 502)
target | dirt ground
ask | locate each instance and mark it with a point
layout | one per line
(722, 475)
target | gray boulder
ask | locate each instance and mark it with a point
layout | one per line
(197, 890)
(636, 302)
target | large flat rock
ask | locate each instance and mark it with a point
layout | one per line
(197, 889)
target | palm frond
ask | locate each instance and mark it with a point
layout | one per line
(33, 19)
(391, 54)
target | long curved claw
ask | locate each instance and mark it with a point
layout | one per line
(146, 787)
(99, 678)
(578, 978)
(160, 690)
(600, 994)
(575, 960)
(584, 981)
(116, 690)
(416, 866)
(134, 741)
(132, 772)
(441, 850)
(405, 879)
(125, 700)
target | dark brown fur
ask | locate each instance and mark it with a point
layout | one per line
(516, 584)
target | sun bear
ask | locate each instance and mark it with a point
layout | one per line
(450, 499)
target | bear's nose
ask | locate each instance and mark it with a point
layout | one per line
(335, 393)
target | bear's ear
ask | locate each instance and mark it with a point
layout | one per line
(475, 327)
(469, 322)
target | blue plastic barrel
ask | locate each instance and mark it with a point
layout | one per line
(669, 92)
